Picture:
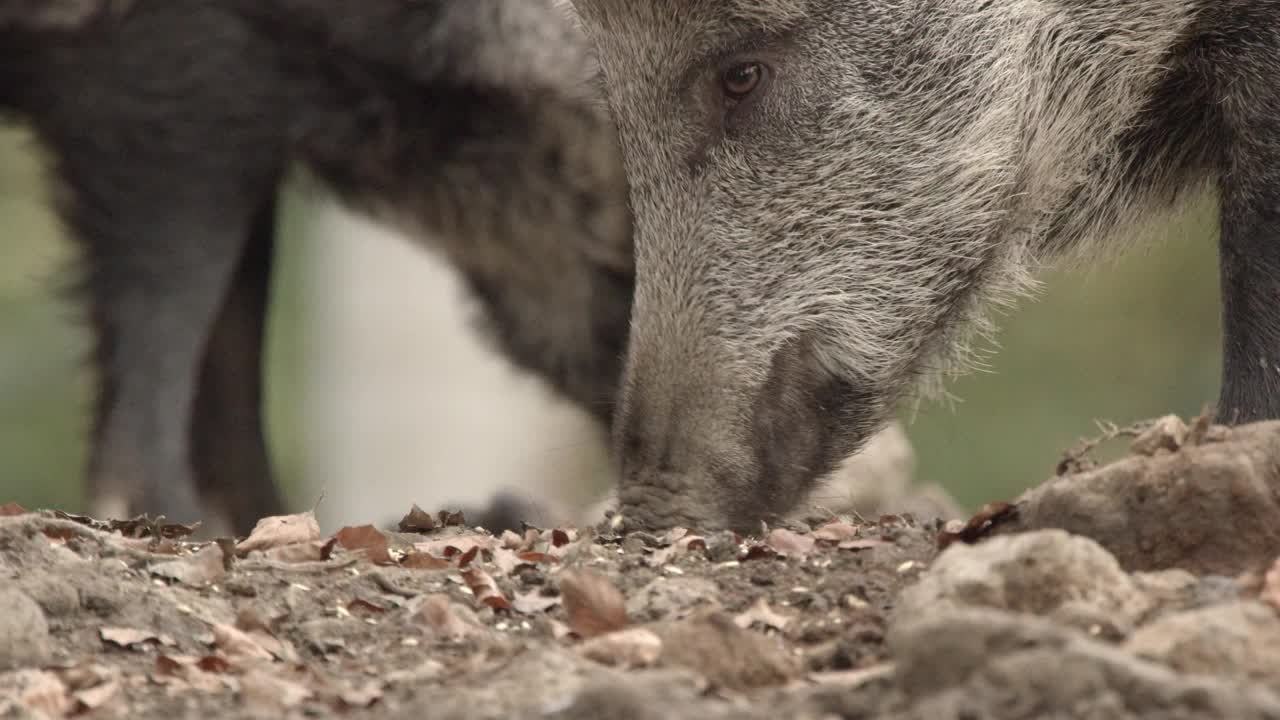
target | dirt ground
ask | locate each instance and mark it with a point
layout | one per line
(1146, 587)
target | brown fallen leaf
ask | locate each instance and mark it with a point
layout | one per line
(12, 509)
(465, 558)
(593, 604)
(424, 561)
(237, 644)
(417, 521)
(451, 519)
(266, 692)
(459, 544)
(534, 603)
(43, 692)
(790, 544)
(561, 537)
(686, 544)
(314, 551)
(95, 698)
(761, 613)
(360, 605)
(129, 638)
(631, 648)
(980, 525)
(485, 588)
(444, 618)
(280, 530)
(261, 633)
(200, 569)
(862, 544)
(368, 539)
(835, 532)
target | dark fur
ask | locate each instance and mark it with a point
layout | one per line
(169, 125)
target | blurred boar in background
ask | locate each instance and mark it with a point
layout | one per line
(169, 125)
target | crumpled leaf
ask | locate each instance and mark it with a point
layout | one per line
(631, 648)
(424, 561)
(202, 568)
(686, 543)
(266, 692)
(417, 521)
(205, 674)
(129, 638)
(94, 698)
(449, 548)
(314, 551)
(12, 509)
(446, 619)
(979, 526)
(835, 532)
(761, 613)
(43, 692)
(238, 644)
(790, 544)
(485, 588)
(862, 544)
(593, 604)
(368, 539)
(280, 530)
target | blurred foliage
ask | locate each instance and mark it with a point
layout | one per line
(1127, 340)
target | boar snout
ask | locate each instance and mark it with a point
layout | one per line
(730, 453)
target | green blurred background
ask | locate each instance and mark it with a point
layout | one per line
(1129, 339)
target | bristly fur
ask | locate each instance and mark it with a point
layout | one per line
(811, 254)
(168, 125)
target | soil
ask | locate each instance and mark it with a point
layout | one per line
(1151, 594)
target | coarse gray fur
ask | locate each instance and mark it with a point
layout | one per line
(808, 256)
(169, 126)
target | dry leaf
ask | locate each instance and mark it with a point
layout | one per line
(790, 544)
(1167, 433)
(266, 692)
(280, 530)
(485, 589)
(560, 538)
(424, 561)
(129, 637)
(43, 692)
(368, 539)
(686, 543)
(631, 648)
(593, 604)
(199, 569)
(835, 532)
(862, 544)
(726, 655)
(761, 613)
(980, 525)
(457, 545)
(314, 551)
(12, 509)
(417, 521)
(451, 519)
(248, 622)
(237, 644)
(93, 698)
(465, 558)
(360, 605)
(445, 618)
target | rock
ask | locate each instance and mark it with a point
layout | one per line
(24, 632)
(1001, 666)
(1212, 508)
(1068, 578)
(1240, 639)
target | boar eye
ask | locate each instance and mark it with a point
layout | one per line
(741, 80)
